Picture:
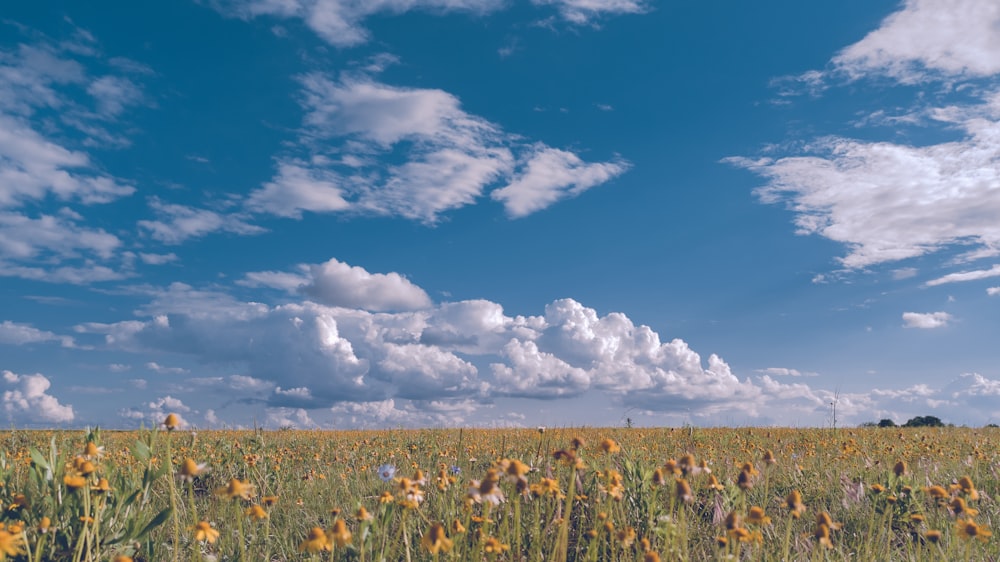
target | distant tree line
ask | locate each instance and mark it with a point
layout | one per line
(919, 421)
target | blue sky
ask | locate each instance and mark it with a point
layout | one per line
(329, 213)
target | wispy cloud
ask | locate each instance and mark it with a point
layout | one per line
(449, 157)
(966, 276)
(14, 333)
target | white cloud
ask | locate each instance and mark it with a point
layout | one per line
(338, 284)
(32, 168)
(966, 276)
(299, 187)
(339, 22)
(926, 320)
(379, 149)
(25, 238)
(29, 403)
(949, 37)
(178, 223)
(993, 291)
(15, 333)
(157, 368)
(157, 259)
(888, 202)
(586, 11)
(551, 175)
(785, 372)
(335, 283)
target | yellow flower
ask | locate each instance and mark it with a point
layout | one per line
(316, 541)
(236, 489)
(713, 483)
(610, 447)
(933, 536)
(92, 451)
(822, 534)
(340, 533)
(204, 531)
(74, 482)
(651, 556)
(44, 524)
(11, 544)
(190, 469)
(769, 458)
(102, 486)
(386, 497)
(683, 490)
(899, 469)
(958, 506)
(968, 529)
(269, 500)
(457, 527)
(363, 515)
(794, 503)
(493, 546)
(824, 518)
(172, 422)
(435, 540)
(122, 558)
(256, 513)
(626, 537)
(967, 488)
(745, 480)
(757, 517)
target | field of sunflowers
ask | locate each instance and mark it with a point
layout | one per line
(587, 494)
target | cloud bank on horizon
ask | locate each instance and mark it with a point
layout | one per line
(272, 290)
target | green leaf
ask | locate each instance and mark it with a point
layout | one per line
(39, 459)
(156, 522)
(141, 451)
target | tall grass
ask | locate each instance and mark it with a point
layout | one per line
(572, 494)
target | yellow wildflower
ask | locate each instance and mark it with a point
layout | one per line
(11, 544)
(756, 517)
(256, 513)
(340, 533)
(968, 529)
(435, 540)
(204, 531)
(610, 447)
(236, 489)
(172, 422)
(74, 482)
(316, 541)
(190, 469)
(794, 504)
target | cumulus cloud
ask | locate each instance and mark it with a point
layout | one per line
(15, 333)
(338, 284)
(27, 401)
(413, 152)
(314, 355)
(926, 320)
(335, 283)
(954, 37)
(993, 291)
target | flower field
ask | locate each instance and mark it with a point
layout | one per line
(515, 494)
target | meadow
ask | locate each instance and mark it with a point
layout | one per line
(562, 494)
